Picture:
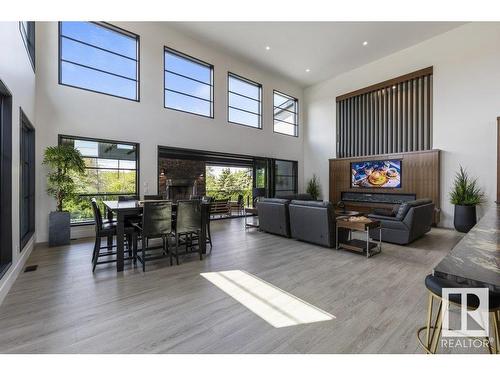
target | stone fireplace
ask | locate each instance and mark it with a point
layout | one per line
(180, 189)
(181, 179)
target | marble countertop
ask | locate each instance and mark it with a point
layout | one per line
(475, 260)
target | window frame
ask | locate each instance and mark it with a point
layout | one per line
(229, 75)
(117, 30)
(6, 248)
(296, 135)
(295, 175)
(27, 42)
(60, 137)
(198, 61)
(25, 124)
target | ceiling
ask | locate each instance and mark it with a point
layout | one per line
(326, 48)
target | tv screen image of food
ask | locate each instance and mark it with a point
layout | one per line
(376, 174)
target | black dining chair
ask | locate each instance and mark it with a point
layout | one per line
(156, 223)
(207, 200)
(105, 228)
(188, 227)
(153, 197)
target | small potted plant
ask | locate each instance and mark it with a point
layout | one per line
(465, 195)
(65, 163)
(313, 188)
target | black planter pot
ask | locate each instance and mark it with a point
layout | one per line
(464, 218)
(59, 228)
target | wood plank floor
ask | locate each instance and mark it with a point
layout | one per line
(378, 302)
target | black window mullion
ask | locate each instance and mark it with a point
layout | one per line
(295, 112)
(190, 78)
(244, 96)
(192, 60)
(286, 122)
(91, 86)
(98, 70)
(258, 100)
(244, 110)
(185, 94)
(283, 109)
(97, 47)
(116, 172)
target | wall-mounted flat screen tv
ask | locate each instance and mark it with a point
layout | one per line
(376, 174)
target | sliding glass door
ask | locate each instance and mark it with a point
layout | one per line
(261, 176)
(284, 177)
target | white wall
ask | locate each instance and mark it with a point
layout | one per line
(466, 104)
(66, 110)
(17, 74)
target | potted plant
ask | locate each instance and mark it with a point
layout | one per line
(465, 195)
(313, 188)
(65, 163)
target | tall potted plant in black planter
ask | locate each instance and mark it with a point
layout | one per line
(465, 195)
(313, 188)
(65, 163)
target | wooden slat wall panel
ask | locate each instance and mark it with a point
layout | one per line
(397, 118)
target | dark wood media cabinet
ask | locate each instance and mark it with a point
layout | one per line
(420, 173)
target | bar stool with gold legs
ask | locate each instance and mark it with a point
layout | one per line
(433, 328)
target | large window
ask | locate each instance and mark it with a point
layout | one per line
(285, 177)
(99, 57)
(286, 114)
(111, 170)
(27, 181)
(244, 101)
(27, 29)
(189, 84)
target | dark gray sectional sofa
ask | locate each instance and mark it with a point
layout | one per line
(273, 216)
(309, 221)
(411, 221)
(314, 221)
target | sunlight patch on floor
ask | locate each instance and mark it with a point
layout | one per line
(275, 306)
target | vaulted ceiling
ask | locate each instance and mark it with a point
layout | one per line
(325, 49)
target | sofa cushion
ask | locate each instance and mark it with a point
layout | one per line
(384, 212)
(402, 211)
(405, 207)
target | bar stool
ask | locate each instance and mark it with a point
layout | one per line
(435, 287)
(108, 229)
(156, 223)
(187, 227)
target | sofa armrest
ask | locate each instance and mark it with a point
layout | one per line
(382, 217)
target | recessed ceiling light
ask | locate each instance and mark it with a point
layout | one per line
(365, 43)
(268, 48)
(308, 70)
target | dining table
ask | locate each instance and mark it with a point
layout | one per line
(121, 210)
(475, 261)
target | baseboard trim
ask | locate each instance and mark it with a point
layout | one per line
(14, 270)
